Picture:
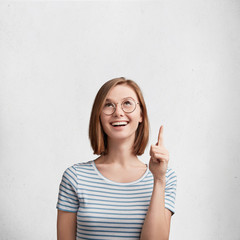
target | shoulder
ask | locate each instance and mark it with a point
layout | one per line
(171, 173)
(171, 176)
(75, 168)
(72, 173)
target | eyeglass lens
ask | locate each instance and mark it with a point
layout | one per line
(128, 106)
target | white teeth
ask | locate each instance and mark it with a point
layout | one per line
(119, 123)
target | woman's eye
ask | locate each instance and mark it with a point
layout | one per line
(108, 105)
(127, 103)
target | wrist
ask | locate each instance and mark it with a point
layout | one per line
(161, 180)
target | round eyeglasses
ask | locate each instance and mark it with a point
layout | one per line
(128, 105)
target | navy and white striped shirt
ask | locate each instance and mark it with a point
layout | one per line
(107, 209)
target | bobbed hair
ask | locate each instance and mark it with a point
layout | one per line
(98, 137)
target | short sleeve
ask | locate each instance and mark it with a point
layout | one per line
(170, 190)
(67, 196)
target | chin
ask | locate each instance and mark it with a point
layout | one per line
(121, 136)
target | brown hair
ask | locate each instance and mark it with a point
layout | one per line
(98, 137)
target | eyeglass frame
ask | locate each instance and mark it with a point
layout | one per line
(115, 106)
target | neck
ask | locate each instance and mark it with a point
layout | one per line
(120, 153)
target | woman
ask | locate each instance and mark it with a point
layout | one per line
(116, 196)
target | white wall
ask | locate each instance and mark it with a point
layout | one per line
(184, 55)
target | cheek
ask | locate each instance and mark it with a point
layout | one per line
(103, 119)
(135, 121)
(104, 122)
(137, 117)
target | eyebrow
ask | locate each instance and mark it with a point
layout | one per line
(109, 99)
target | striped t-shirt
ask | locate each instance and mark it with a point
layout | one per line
(107, 209)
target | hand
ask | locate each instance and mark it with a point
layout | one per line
(159, 158)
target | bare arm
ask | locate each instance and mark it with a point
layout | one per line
(66, 225)
(157, 222)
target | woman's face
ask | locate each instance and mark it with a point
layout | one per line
(129, 121)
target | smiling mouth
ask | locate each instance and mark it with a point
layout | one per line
(119, 124)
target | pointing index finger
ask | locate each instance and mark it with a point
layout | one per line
(160, 136)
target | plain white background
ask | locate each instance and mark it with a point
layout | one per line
(185, 57)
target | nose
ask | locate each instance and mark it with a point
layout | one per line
(118, 111)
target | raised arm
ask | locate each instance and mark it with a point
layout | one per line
(66, 225)
(158, 218)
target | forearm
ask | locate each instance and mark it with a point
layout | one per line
(155, 225)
